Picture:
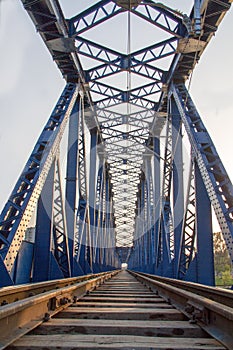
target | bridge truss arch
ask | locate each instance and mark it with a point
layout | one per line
(125, 121)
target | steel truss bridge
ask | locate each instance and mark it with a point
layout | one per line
(126, 122)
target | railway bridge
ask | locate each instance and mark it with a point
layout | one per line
(138, 189)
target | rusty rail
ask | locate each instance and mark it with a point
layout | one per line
(220, 295)
(21, 316)
(198, 303)
(15, 293)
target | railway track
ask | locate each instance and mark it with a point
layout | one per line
(116, 311)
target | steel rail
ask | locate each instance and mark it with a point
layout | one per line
(220, 295)
(214, 317)
(15, 293)
(20, 317)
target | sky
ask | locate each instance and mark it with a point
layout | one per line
(30, 85)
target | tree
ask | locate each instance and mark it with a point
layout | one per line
(223, 268)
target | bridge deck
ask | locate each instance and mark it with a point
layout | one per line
(120, 314)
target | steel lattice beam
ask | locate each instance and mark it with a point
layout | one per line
(117, 108)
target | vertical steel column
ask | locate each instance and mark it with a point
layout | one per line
(111, 233)
(165, 246)
(178, 185)
(99, 218)
(80, 248)
(142, 215)
(148, 212)
(156, 199)
(61, 246)
(205, 255)
(44, 230)
(136, 257)
(72, 188)
(166, 219)
(140, 228)
(103, 218)
(92, 192)
(23, 264)
(187, 252)
(106, 223)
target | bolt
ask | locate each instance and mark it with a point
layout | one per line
(46, 317)
(189, 308)
(192, 320)
(63, 301)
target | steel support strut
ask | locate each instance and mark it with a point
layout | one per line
(44, 230)
(92, 192)
(157, 200)
(177, 177)
(205, 254)
(18, 211)
(72, 182)
(213, 173)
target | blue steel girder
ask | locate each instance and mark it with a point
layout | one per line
(146, 90)
(135, 62)
(82, 168)
(60, 36)
(214, 175)
(44, 231)
(104, 10)
(117, 100)
(143, 70)
(148, 71)
(105, 90)
(154, 52)
(98, 52)
(93, 16)
(74, 190)
(113, 131)
(212, 13)
(115, 62)
(166, 225)
(41, 13)
(61, 250)
(168, 162)
(68, 61)
(112, 119)
(100, 204)
(125, 62)
(160, 16)
(19, 209)
(155, 21)
(80, 222)
(133, 95)
(187, 244)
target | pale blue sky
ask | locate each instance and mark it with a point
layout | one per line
(31, 83)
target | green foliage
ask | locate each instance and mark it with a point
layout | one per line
(225, 279)
(223, 268)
